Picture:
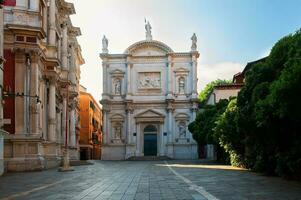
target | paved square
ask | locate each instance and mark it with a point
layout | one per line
(148, 180)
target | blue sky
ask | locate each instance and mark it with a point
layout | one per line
(230, 32)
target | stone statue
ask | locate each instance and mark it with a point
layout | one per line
(182, 130)
(148, 31)
(105, 44)
(117, 86)
(194, 41)
(118, 132)
(182, 85)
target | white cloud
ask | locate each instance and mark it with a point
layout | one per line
(222, 70)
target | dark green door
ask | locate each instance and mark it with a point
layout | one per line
(150, 144)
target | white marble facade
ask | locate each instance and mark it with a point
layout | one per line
(149, 98)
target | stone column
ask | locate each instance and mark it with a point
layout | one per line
(169, 125)
(72, 126)
(34, 105)
(104, 128)
(72, 68)
(129, 135)
(128, 78)
(65, 47)
(169, 77)
(161, 140)
(1, 64)
(138, 140)
(45, 14)
(194, 75)
(52, 27)
(64, 118)
(104, 78)
(52, 112)
(58, 126)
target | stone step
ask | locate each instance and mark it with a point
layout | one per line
(80, 162)
(147, 158)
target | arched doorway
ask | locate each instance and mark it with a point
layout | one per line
(150, 140)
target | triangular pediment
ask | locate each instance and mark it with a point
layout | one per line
(150, 114)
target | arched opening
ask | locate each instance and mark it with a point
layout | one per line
(150, 140)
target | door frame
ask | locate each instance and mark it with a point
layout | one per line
(157, 126)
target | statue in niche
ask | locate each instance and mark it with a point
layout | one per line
(105, 44)
(181, 85)
(194, 41)
(117, 131)
(117, 86)
(182, 130)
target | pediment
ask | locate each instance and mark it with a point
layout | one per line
(181, 70)
(150, 114)
(148, 48)
(117, 71)
(117, 118)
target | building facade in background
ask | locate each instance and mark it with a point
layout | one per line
(90, 126)
(149, 98)
(41, 83)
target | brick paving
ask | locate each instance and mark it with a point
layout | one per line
(144, 180)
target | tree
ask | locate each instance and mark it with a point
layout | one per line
(204, 95)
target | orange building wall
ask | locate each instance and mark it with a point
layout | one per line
(87, 127)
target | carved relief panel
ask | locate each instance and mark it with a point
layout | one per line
(149, 80)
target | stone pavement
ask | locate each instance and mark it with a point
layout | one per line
(148, 180)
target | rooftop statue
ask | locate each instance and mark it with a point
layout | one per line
(194, 41)
(148, 31)
(105, 44)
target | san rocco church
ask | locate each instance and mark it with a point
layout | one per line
(149, 98)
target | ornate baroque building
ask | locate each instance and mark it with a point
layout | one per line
(149, 98)
(41, 83)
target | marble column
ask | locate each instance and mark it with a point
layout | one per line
(194, 75)
(72, 127)
(35, 108)
(58, 126)
(64, 119)
(52, 112)
(45, 21)
(170, 139)
(1, 64)
(72, 67)
(129, 134)
(65, 47)
(52, 28)
(104, 77)
(138, 140)
(161, 139)
(104, 128)
(128, 78)
(169, 77)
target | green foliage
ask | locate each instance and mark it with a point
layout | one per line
(260, 129)
(202, 128)
(204, 95)
(268, 111)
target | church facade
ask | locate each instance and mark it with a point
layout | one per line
(149, 98)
